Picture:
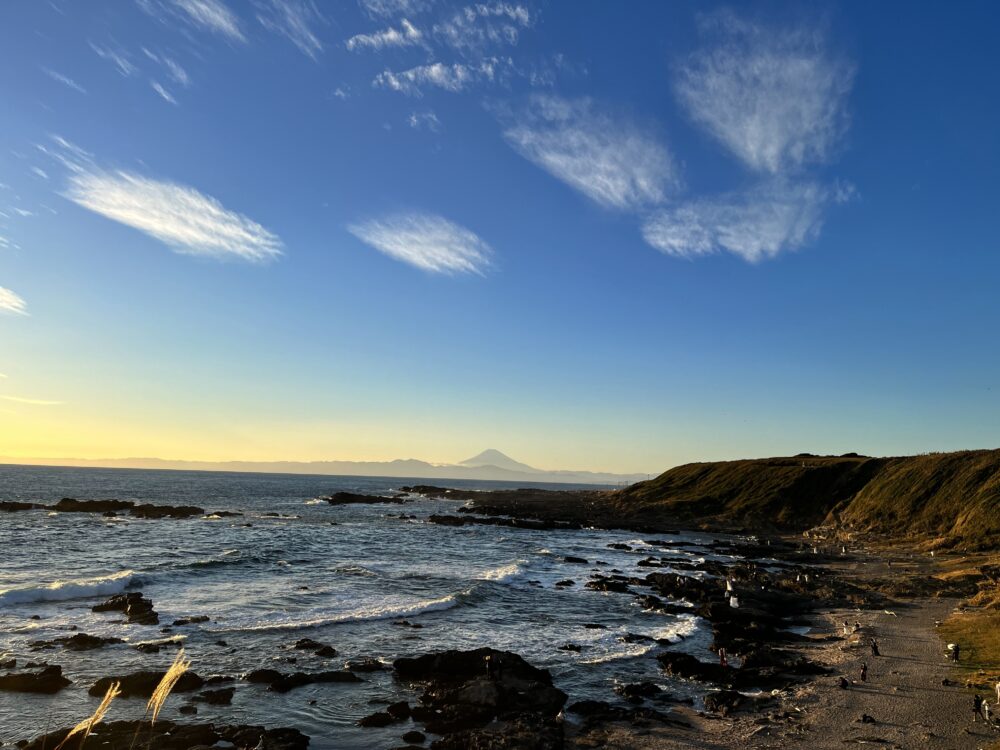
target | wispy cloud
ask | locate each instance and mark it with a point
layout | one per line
(755, 225)
(117, 58)
(23, 212)
(166, 95)
(212, 15)
(476, 27)
(424, 121)
(426, 241)
(40, 172)
(68, 154)
(392, 8)
(293, 19)
(608, 159)
(405, 36)
(775, 98)
(31, 401)
(173, 68)
(12, 302)
(64, 80)
(455, 77)
(183, 218)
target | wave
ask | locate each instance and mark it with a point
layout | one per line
(77, 588)
(503, 574)
(360, 614)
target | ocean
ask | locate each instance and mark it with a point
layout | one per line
(341, 575)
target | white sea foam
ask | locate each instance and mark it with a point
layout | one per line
(503, 574)
(374, 611)
(77, 588)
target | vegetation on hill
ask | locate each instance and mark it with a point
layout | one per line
(952, 498)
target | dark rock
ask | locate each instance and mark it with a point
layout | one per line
(84, 642)
(723, 702)
(575, 560)
(220, 697)
(167, 735)
(571, 647)
(377, 719)
(414, 736)
(10, 506)
(8, 664)
(638, 690)
(137, 608)
(348, 498)
(142, 684)
(167, 511)
(190, 620)
(607, 584)
(48, 680)
(619, 545)
(365, 664)
(399, 710)
(279, 682)
(70, 505)
(186, 709)
(566, 582)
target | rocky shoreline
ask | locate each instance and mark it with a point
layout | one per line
(759, 605)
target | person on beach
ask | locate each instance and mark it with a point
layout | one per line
(954, 652)
(977, 708)
(723, 659)
(847, 631)
(844, 683)
(864, 671)
(998, 693)
(874, 645)
(986, 712)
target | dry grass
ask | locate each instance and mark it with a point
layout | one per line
(978, 633)
(95, 718)
(159, 697)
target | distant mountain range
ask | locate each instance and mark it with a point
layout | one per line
(491, 464)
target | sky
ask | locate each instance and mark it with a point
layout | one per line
(591, 238)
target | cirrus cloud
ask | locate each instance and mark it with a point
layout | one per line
(774, 97)
(12, 302)
(179, 216)
(608, 159)
(429, 242)
(755, 225)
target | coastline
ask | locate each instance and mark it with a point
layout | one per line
(782, 687)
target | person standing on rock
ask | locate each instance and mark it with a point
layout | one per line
(723, 658)
(977, 708)
(864, 671)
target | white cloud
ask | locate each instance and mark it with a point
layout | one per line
(342, 92)
(118, 59)
(71, 156)
(755, 225)
(31, 401)
(40, 172)
(64, 80)
(455, 77)
(293, 19)
(162, 92)
(185, 219)
(607, 159)
(12, 302)
(177, 72)
(775, 98)
(476, 27)
(212, 15)
(424, 120)
(392, 8)
(429, 242)
(405, 36)
(21, 211)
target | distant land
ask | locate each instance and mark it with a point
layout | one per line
(490, 465)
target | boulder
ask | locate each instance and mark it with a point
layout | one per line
(136, 607)
(167, 735)
(47, 680)
(142, 684)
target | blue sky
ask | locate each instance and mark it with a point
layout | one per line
(593, 239)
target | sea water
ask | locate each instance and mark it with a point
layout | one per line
(341, 575)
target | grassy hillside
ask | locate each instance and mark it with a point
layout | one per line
(953, 497)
